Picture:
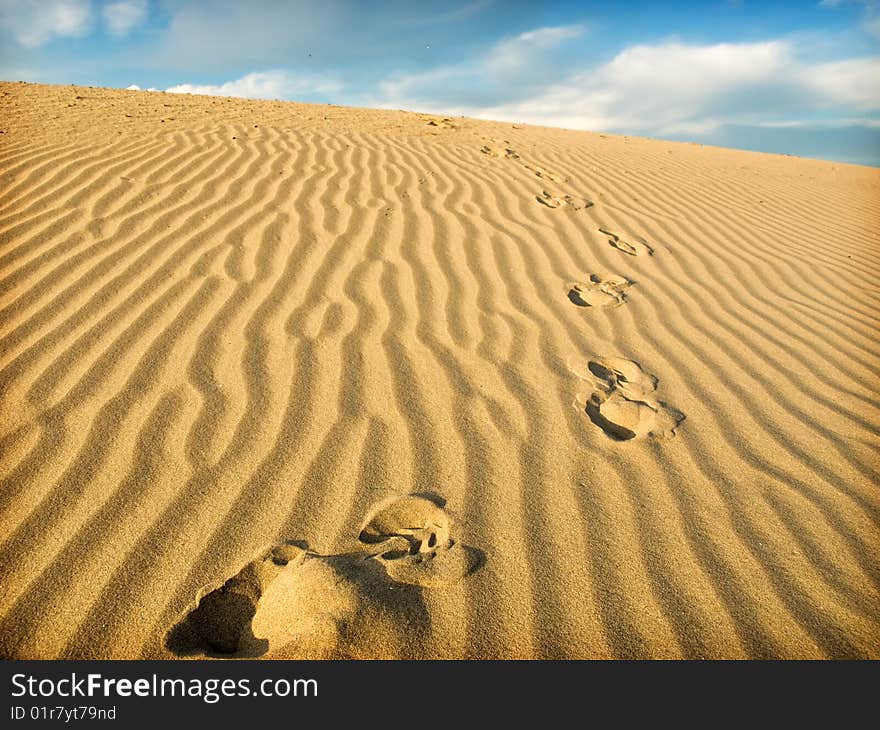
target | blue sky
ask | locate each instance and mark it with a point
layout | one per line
(795, 77)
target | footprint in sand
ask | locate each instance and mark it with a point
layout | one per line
(511, 154)
(545, 175)
(290, 602)
(604, 290)
(445, 122)
(412, 540)
(634, 246)
(624, 406)
(506, 152)
(559, 200)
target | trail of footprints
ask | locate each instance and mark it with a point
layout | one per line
(290, 602)
(441, 122)
(550, 198)
(559, 200)
(623, 403)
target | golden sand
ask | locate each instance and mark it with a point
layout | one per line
(632, 385)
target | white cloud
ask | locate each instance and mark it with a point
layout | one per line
(515, 65)
(265, 85)
(35, 22)
(550, 36)
(666, 89)
(854, 82)
(513, 54)
(133, 87)
(121, 17)
(830, 123)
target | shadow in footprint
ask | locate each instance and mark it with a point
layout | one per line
(545, 174)
(505, 152)
(601, 291)
(415, 542)
(219, 626)
(431, 497)
(289, 602)
(613, 430)
(623, 405)
(444, 123)
(633, 245)
(561, 200)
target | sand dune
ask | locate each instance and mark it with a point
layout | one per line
(292, 380)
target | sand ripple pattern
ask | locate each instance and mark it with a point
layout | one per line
(352, 336)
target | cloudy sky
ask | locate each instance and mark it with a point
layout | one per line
(796, 77)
